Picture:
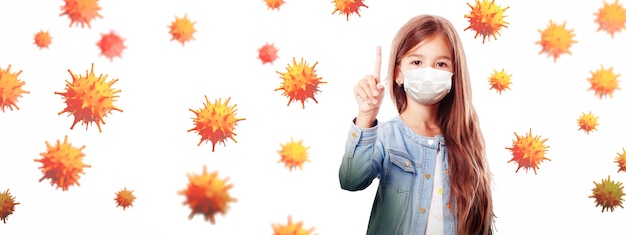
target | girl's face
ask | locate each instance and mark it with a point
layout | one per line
(433, 52)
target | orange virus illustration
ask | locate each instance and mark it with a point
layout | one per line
(89, 98)
(10, 89)
(556, 40)
(124, 198)
(62, 164)
(500, 81)
(81, 11)
(216, 122)
(111, 45)
(207, 194)
(291, 228)
(487, 19)
(274, 4)
(608, 194)
(528, 151)
(42, 39)
(611, 18)
(348, 7)
(604, 82)
(300, 82)
(7, 205)
(268, 53)
(587, 122)
(621, 161)
(182, 30)
(293, 154)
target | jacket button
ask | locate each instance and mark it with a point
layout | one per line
(427, 176)
(406, 162)
(448, 205)
(422, 210)
(446, 171)
(353, 134)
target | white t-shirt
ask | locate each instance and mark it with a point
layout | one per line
(434, 224)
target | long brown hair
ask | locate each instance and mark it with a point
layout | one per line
(469, 173)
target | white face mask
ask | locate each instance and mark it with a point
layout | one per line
(427, 85)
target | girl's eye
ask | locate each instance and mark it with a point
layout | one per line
(416, 62)
(441, 64)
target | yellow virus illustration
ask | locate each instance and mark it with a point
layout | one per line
(291, 228)
(611, 18)
(7, 205)
(528, 151)
(608, 194)
(42, 39)
(124, 198)
(500, 81)
(556, 40)
(487, 19)
(293, 154)
(621, 161)
(587, 122)
(274, 4)
(10, 89)
(182, 30)
(604, 82)
(216, 122)
(62, 163)
(300, 82)
(207, 194)
(348, 7)
(81, 11)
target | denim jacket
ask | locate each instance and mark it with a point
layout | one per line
(404, 163)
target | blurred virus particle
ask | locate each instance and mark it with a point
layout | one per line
(611, 18)
(7, 205)
(487, 19)
(500, 81)
(182, 30)
(604, 82)
(207, 194)
(293, 154)
(42, 39)
(81, 11)
(608, 194)
(62, 164)
(621, 161)
(274, 4)
(89, 98)
(216, 122)
(291, 228)
(556, 40)
(268, 53)
(124, 198)
(10, 89)
(348, 7)
(111, 45)
(587, 122)
(528, 151)
(300, 82)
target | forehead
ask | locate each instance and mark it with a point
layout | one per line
(434, 46)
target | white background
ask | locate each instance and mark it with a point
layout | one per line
(147, 147)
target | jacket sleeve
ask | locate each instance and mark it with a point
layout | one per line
(362, 159)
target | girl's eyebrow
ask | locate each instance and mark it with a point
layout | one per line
(436, 58)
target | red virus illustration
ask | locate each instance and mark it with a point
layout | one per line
(293, 154)
(216, 122)
(89, 98)
(587, 122)
(81, 11)
(111, 45)
(42, 39)
(528, 151)
(348, 7)
(62, 163)
(124, 198)
(207, 194)
(604, 82)
(10, 89)
(291, 228)
(300, 82)
(608, 194)
(556, 40)
(182, 30)
(500, 81)
(268, 53)
(7, 205)
(611, 18)
(621, 161)
(274, 4)
(487, 19)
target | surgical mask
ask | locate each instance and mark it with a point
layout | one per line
(427, 85)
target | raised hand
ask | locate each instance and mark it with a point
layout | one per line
(369, 93)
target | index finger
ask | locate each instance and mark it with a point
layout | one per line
(377, 63)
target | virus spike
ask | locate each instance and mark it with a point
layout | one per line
(528, 151)
(7, 205)
(81, 11)
(124, 198)
(604, 82)
(293, 154)
(608, 194)
(10, 89)
(62, 164)
(611, 18)
(500, 81)
(300, 82)
(291, 228)
(621, 161)
(268, 53)
(207, 194)
(587, 122)
(42, 39)
(487, 19)
(216, 122)
(556, 40)
(182, 30)
(274, 4)
(111, 45)
(348, 7)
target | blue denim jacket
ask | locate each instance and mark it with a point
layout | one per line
(404, 163)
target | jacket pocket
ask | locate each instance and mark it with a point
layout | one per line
(401, 171)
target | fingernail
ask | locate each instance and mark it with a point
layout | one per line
(375, 93)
